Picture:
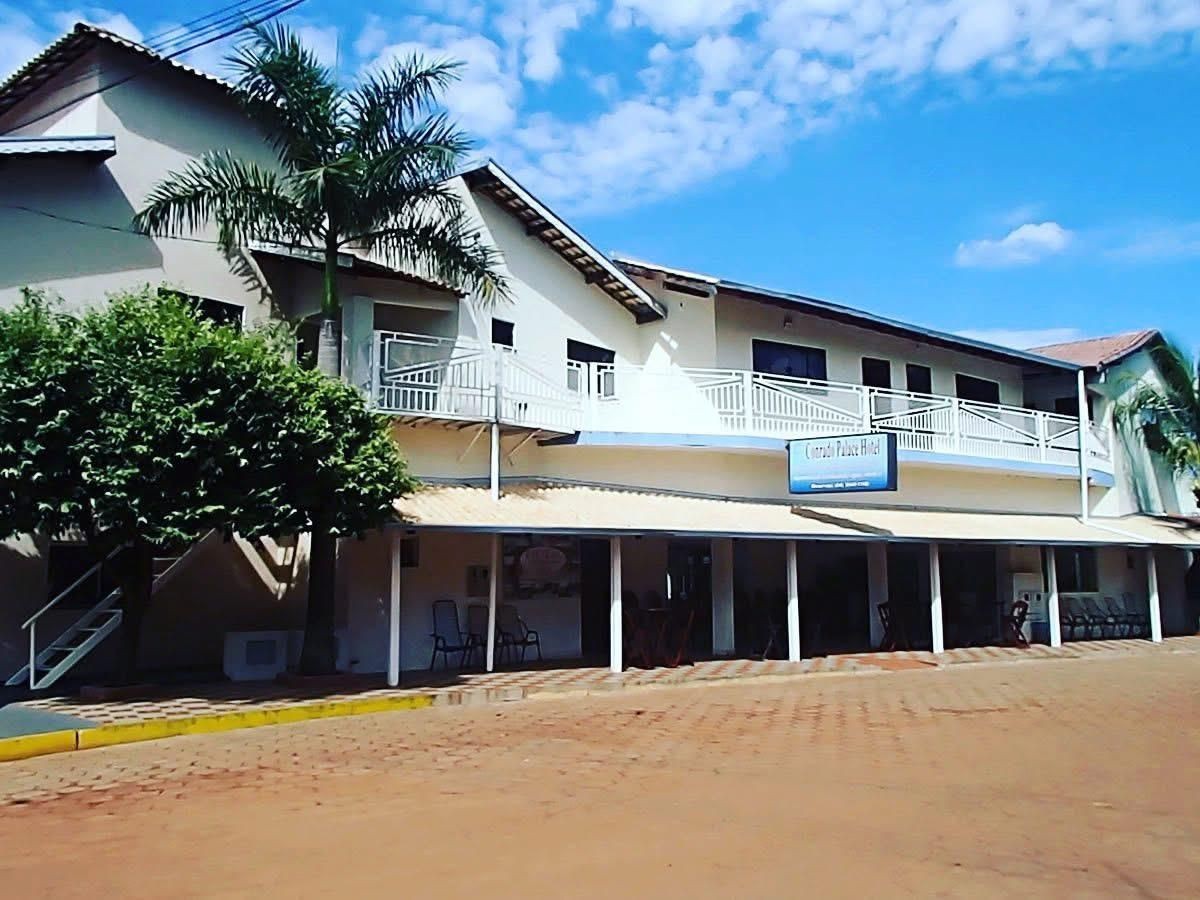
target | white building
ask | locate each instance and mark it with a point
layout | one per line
(612, 437)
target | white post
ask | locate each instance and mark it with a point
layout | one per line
(1155, 608)
(489, 652)
(614, 605)
(748, 401)
(393, 677)
(494, 467)
(793, 605)
(935, 598)
(722, 597)
(877, 588)
(1084, 434)
(1052, 602)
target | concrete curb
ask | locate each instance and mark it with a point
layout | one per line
(31, 745)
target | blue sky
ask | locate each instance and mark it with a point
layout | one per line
(1025, 170)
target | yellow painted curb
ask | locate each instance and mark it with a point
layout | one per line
(30, 745)
(132, 732)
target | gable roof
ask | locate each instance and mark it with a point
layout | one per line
(1096, 353)
(838, 313)
(72, 47)
(540, 222)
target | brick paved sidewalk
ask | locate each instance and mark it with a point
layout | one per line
(470, 688)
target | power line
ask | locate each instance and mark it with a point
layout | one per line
(103, 226)
(242, 11)
(228, 32)
(184, 28)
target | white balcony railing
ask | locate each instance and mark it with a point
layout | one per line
(455, 379)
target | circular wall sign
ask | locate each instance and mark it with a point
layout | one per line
(542, 563)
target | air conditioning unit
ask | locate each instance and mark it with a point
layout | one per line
(255, 655)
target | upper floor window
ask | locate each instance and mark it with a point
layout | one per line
(980, 390)
(580, 353)
(793, 360)
(918, 379)
(876, 373)
(502, 333)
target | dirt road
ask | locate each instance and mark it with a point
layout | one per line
(1077, 778)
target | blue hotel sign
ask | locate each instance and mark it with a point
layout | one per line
(840, 465)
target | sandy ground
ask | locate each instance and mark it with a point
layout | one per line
(1064, 778)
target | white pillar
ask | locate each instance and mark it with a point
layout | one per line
(494, 587)
(1052, 601)
(494, 462)
(877, 588)
(1085, 434)
(615, 662)
(793, 604)
(722, 597)
(1155, 608)
(935, 598)
(393, 677)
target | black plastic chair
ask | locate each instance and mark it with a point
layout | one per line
(514, 634)
(447, 636)
(477, 630)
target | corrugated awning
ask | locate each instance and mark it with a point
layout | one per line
(538, 506)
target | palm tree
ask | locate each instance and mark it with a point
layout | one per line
(366, 167)
(1167, 413)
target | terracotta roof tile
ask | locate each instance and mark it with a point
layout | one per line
(1101, 351)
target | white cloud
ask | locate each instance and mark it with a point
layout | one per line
(1024, 245)
(116, 22)
(668, 93)
(1158, 243)
(323, 41)
(20, 40)
(1023, 338)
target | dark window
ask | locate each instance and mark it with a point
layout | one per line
(410, 553)
(1077, 571)
(919, 379)
(773, 358)
(968, 387)
(1069, 406)
(603, 382)
(216, 311)
(876, 372)
(502, 332)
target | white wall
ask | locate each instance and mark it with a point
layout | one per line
(739, 322)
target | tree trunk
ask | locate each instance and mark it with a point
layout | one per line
(329, 347)
(319, 654)
(136, 577)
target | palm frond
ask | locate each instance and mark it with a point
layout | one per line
(1165, 409)
(447, 248)
(246, 201)
(388, 99)
(293, 97)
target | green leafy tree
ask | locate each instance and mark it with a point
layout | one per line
(156, 426)
(1166, 413)
(364, 167)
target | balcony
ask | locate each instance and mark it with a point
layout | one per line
(455, 379)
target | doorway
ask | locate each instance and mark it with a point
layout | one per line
(908, 592)
(689, 585)
(594, 590)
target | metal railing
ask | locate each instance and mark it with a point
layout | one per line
(457, 379)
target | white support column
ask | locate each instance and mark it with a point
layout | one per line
(615, 663)
(877, 588)
(1085, 434)
(722, 597)
(1155, 607)
(494, 586)
(935, 598)
(1052, 600)
(494, 465)
(793, 604)
(393, 677)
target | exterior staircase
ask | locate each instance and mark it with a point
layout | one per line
(49, 664)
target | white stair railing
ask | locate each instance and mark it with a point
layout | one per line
(48, 665)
